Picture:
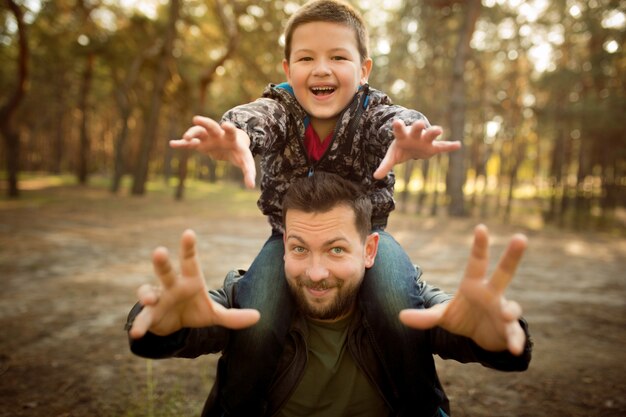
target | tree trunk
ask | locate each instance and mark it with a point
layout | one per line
(7, 110)
(122, 97)
(85, 145)
(150, 131)
(455, 179)
(404, 195)
(421, 196)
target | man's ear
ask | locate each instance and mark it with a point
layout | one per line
(366, 69)
(286, 69)
(371, 248)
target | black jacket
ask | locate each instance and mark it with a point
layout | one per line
(191, 343)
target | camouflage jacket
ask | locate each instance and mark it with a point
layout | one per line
(276, 123)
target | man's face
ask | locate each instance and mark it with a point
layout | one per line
(325, 260)
(325, 69)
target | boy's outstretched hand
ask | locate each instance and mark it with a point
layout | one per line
(413, 142)
(479, 309)
(183, 300)
(221, 142)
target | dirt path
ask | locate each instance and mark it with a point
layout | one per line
(71, 259)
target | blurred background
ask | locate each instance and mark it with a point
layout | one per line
(91, 91)
(534, 89)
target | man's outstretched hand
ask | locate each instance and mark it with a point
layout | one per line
(182, 300)
(479, 309)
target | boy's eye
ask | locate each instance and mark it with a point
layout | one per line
(339, 58)
(305, 58)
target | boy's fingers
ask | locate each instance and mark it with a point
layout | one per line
(419, 129)
(443, 146)
(185, 144)
(385, 166)
(195, 132)
(509, 262)
(249, 172)
(479, 256)
(163, 267)
(400, 130)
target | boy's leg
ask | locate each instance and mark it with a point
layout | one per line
(254, 352)
(390, 286)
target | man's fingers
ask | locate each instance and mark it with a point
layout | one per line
(163, 267)
(147, 295)
(509, 262)
(511, 311)
(235, 318)
(142, 323)
(479, 256)
(516, 338)
(422, 319)
(189, 262)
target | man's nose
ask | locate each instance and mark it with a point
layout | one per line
(317, 271)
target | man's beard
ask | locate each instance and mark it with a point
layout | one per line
(341, 305)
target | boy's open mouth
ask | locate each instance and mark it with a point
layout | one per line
(322, 91)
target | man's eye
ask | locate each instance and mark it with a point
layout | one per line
(298, 249)
(337, 251)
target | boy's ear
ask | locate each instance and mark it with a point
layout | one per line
(366, 69)
(286, 69)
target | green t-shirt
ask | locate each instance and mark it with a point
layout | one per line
(332, 384)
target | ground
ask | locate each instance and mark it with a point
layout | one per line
(71, 259)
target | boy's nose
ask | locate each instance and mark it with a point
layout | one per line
(322, 68)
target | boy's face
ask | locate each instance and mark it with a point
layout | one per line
(325, 69)
(325, 261)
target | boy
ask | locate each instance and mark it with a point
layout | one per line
(325, 118)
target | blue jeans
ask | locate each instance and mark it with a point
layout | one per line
(388, 287)
(254, 352)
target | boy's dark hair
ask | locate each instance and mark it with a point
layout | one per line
(333, 11)
(323, 191)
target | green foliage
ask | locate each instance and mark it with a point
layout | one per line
(550, 79)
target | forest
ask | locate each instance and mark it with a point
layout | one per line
(534, 89)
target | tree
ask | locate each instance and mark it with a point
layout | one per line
(7, 110)
(457, 168)
(229, 23)
(149, 136)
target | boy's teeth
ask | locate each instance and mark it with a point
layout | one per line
(322, 90)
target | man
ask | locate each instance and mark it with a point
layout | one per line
(331, 364)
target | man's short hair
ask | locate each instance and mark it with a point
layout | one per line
(323, 191)
(332, 11)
